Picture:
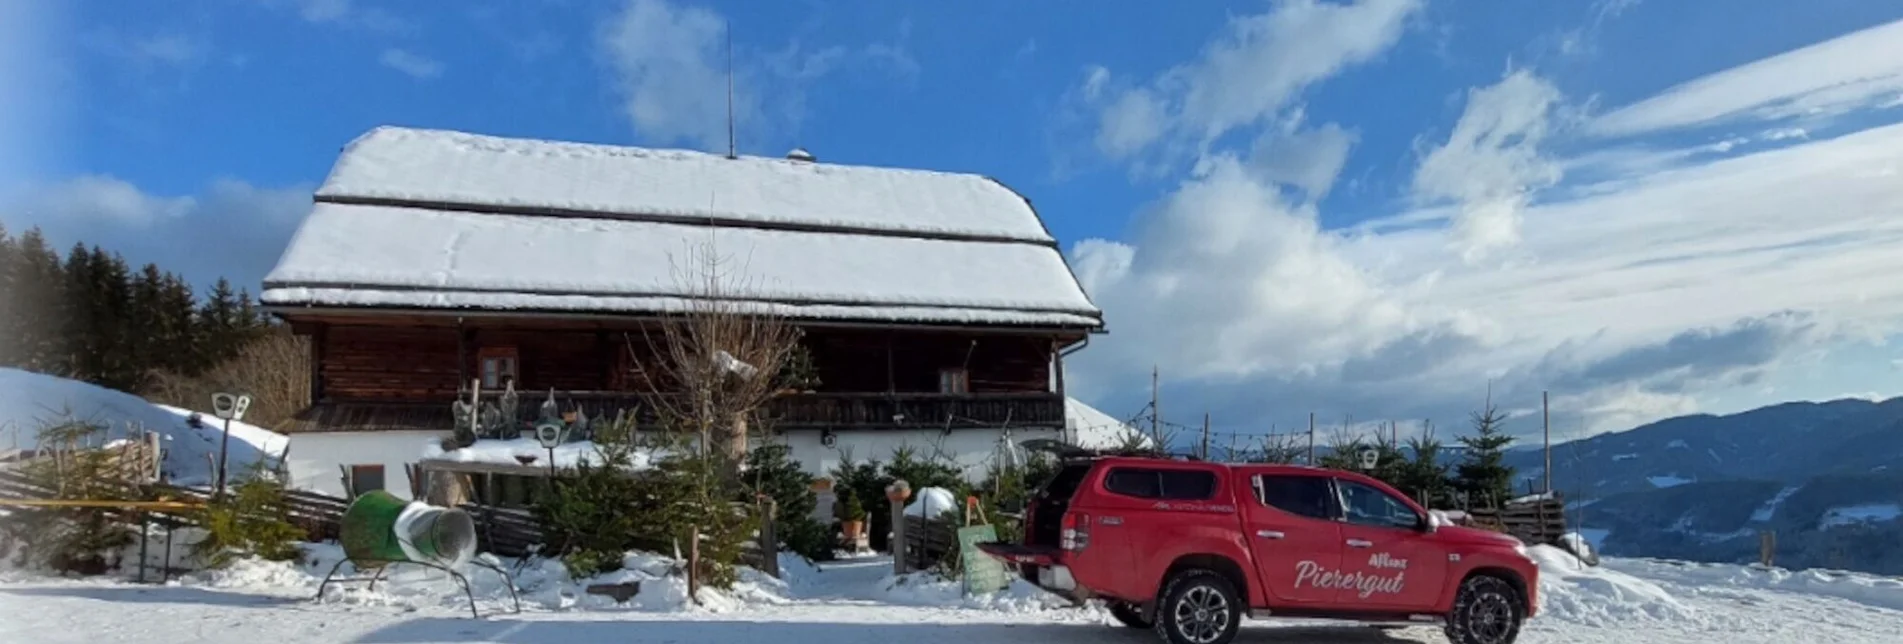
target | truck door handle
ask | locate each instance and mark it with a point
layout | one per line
(1269, 534)
(1359, 543)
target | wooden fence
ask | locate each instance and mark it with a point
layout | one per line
(929, 541)
(504, 532)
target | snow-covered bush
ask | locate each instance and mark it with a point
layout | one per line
(252, 520)
(84, 540)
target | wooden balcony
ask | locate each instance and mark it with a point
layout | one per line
(788, 412)
(845, 411)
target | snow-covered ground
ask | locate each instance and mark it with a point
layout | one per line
(30, 401)
(1623, 602)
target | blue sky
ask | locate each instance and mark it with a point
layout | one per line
(1368, 208)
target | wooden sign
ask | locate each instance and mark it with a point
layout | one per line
(983, 574)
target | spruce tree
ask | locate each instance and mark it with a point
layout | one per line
(11, 354)
(1484, 474)
(113, 323)
(39, 286)
(181, 341)
(144, 346)
(220, 328)
(81, 325)
(1426, 476)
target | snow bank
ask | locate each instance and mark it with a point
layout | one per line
(1869, 590)
(543, 584)
(567, 455)
(1855, 514)
(1581, 545)
(929, 589)
(932, 502)
(31, 401)
(1667, 481)
(1595, 596)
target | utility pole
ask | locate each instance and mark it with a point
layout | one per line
(1546, 421)
(1205, 436)
(1311, 438)
(1156, 412)
(732, 151)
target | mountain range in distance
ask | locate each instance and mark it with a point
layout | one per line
(1826, 478)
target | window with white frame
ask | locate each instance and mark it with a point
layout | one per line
(954, 381)
(497, 366)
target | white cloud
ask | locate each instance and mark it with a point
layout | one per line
(94, 199)
(670, 63)
(1677, 273)
(344, 13)
(671, 66)
(174, 49)
(233, 229)
(1308, 159)
(1253, 70)
(1853, 71)
(415, 65)
(1491, 163)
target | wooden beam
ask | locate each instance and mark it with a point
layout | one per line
(1057, 363)
(317, 345)
(462, 352)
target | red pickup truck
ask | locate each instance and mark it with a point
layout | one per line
(1187, 548)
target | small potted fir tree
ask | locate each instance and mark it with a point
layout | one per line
(853, 516)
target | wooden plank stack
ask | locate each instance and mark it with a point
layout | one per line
(1535, 520)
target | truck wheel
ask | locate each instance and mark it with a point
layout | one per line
(1488, 610)
(1198, 607)
(1129, 614)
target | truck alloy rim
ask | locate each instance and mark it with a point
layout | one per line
(1491, 617)
(1202, 614)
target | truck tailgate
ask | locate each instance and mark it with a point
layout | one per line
(1020, 553)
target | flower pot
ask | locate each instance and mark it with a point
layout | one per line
(852, 529)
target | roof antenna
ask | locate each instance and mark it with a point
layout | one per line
(730, 144)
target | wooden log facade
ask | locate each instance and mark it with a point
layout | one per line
(401, 372)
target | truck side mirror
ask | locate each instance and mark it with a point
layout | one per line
(1428, 524)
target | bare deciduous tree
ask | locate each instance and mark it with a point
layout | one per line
(274, 370)
(720, 359)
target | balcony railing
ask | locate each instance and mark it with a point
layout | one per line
(789, 411)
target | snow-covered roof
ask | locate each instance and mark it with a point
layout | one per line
(1092, 429)
(433, 219)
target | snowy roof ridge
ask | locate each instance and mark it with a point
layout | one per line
(413, 219)
(452, 170)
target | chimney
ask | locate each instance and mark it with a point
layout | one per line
(800, 154)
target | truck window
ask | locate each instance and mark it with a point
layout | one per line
(1169, 485)
(1304, 496)
(1062, 486)
(1368, 505)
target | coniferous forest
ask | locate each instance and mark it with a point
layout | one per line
(89, 316)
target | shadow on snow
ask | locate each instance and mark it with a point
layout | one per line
(782, 632)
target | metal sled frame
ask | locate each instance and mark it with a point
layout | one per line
(383, 565)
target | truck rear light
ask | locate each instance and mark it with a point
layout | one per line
(1076, 532)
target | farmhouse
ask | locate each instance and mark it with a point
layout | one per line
(936, 309)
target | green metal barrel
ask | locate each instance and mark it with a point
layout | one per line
(379, 527)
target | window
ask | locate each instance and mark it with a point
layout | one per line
(1368, 505)
(1303, 496)
(365, 478)
(1171, 485)
(497, 366)
(954, 381)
